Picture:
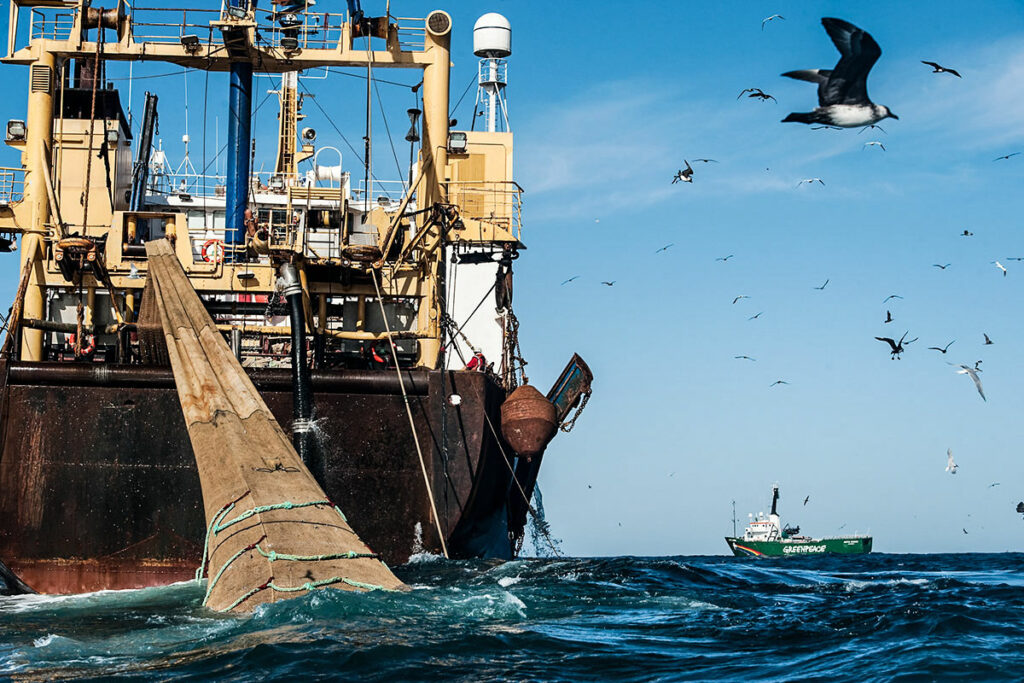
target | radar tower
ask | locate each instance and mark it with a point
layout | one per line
(492, 42)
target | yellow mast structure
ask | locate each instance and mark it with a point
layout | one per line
(462, 191)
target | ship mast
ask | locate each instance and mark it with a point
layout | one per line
(286, 164)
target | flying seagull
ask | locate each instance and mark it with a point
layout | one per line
(806, 499)
(963, 529)
(871, 125)
(1000, 267)
(705, 161)
(951, 466)
(842, 91)
(767, 19)
(724, 258)
(666, 247)
(977, 363)
(686, 174)
(967, 233)
(973, 372)
(756, 92)
(873, 143)
(936, 69)
(810, 181)
(1015, 258)
(888, 317)
(897, 346)
(993, 484)
(941, 267)
(1020, 507)
(741, 296)
(609, 284)
(988, 342)
(823, 286)
(565, 282)
(779, 381)
(892, 296)
(745, 358)
(1006, 156)
(943, 349)
(756, 316)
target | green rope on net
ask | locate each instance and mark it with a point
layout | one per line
(218, 525)
(308, 586)
(273, 556)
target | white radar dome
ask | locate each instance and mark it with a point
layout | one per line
(492, 36)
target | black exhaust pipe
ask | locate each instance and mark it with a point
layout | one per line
(302, 392)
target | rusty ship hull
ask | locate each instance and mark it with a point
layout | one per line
(99, 488)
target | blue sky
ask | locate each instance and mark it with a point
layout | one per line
(606, 101)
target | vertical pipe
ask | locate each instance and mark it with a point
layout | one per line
(320, 343)
(436, 76)
(236, 343)
(434, 151)
(302, 395)
(39, 127)
(239, 140)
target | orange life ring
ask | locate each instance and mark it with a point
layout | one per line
(213, 251)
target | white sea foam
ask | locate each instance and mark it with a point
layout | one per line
(45, 640)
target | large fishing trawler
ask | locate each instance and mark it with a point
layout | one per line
(388, 346)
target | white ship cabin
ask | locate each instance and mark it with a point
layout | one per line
(763, 528)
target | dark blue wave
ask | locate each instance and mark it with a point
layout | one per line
(875, 617)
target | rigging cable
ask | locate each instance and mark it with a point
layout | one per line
(408, 410)
(455, 108)
(92, 131)
(383, 115)
(335, 127)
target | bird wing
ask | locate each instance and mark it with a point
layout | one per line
(890, 342)
(848, 83)
(977, 382)
(819, 76)
(931, 64)
(954, 72)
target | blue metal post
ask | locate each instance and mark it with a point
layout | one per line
(239, 142)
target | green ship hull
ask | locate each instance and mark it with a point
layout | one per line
(851, 545)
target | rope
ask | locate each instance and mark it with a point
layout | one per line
(412, 423)
(477, 308)
(92, 132)
(538, 522)
(217, 525)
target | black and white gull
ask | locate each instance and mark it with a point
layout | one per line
(842, 91)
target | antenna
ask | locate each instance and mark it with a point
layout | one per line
(492, 41)
(734, 518)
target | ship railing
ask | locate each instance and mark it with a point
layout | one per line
(317, 30)
(412, 33)
(47, 23)
(211, 184)
(12, 185)
(498, 203)
(383, 193)
(150, 25)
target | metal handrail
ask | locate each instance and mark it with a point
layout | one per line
(12, 185)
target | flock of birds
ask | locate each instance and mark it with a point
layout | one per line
(843, 102)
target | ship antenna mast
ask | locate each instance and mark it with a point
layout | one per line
(734, 518)
(492, 42)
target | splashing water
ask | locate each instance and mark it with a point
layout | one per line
(873, 617)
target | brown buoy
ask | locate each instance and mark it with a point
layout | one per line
(528, 421)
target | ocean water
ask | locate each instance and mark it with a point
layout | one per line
(875, 617)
